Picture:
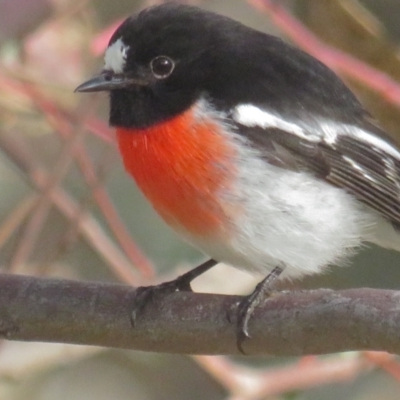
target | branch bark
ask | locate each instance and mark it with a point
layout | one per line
(290, 323)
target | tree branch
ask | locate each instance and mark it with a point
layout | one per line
(289, 323)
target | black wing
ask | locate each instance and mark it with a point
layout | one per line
(360, 159)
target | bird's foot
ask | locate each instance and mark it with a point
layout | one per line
(145, 294)
(246, 306)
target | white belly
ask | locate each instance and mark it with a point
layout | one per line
(292, 219)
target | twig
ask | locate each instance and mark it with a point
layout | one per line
(16, 217)
(386, 361)
(341, 62)
(252, 383)
(62, 126)
(89, 227)
(313, 322)
(43, 206)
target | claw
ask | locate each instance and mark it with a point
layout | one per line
(246, 307)
(244, 312)
(145, 294)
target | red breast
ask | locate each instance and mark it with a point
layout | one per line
(184, 167)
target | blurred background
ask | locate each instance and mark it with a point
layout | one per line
(67, 208)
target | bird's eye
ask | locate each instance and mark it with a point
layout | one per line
(162, 67)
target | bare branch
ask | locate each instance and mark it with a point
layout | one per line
(336, 59)
(309, 322)
(89, 227)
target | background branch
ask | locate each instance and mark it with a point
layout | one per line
(295, 323)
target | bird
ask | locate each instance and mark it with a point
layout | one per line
(252, 150)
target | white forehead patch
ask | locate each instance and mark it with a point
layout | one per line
(115, 56)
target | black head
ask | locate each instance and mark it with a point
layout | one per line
(157, 63)
(160, 61)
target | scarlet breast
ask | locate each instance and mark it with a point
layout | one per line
(184, 167)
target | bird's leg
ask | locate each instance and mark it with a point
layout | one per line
(181, 284)
(249, 303)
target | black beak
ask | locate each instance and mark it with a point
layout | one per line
(109, 80)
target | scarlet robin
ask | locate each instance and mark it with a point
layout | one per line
(252, 150)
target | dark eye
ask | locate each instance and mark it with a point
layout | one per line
(162, 67)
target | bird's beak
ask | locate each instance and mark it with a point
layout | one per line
(109, 80)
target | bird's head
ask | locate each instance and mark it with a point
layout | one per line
(158, 63)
